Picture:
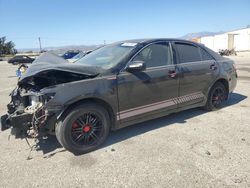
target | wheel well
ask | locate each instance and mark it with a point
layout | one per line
(225, 83)
(91, 100)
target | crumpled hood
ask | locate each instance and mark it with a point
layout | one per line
(48, 61)
(50, 58)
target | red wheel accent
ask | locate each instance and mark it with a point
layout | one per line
(74, 125)
(86, 128)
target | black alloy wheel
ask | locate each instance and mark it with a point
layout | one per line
(217, 96)
(84, 128)
(87, 129)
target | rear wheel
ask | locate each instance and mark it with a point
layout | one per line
(217, 96)
(84, 128)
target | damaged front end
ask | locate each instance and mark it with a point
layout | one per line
(28, 112)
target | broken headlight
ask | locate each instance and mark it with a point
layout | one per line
(48, 96)
(34, 99)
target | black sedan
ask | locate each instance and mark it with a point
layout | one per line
(116, 86)
(20, 59)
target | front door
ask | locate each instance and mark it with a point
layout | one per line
(151, 91)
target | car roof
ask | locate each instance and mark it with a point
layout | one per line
(156, 40)
(152, 40)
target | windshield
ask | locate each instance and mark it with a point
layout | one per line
(78, 56)
(107, 56)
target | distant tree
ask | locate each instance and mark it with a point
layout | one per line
(7, 47)
(2, 41)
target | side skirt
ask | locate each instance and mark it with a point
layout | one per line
(157, 115)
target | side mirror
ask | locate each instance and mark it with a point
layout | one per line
(136, 66)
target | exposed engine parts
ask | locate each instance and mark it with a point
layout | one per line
(26, 110)
(39, 116)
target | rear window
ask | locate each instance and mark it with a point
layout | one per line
(188, 53)
(205, 56)
(214, 54)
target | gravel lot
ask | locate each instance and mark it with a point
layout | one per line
(189, 149)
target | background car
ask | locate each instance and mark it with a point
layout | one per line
(20, 59)
(70, 54)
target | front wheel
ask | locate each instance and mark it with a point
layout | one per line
(84, 128)
(216, 97)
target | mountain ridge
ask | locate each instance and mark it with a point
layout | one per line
(200, 34)
(188, 36)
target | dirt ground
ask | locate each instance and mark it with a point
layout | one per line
(193, 148)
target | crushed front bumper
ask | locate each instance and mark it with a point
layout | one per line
(19, 123)
(30, 112)
(25, 112)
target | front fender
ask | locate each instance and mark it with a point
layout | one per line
(102, 88)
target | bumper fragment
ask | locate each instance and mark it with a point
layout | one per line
(4, 123)
(22, 121)
(19, 124)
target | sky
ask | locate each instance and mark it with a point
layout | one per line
(86, 22)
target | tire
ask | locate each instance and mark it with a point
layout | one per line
(84, 128)
(216, 97)
(57, 130)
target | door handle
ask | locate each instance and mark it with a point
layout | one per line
(172, 74)
(213, 67)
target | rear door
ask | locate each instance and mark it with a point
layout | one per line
(197, 71)
(151, 91)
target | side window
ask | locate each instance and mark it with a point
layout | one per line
(155, 55)
(205, 56)
(188, 53)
